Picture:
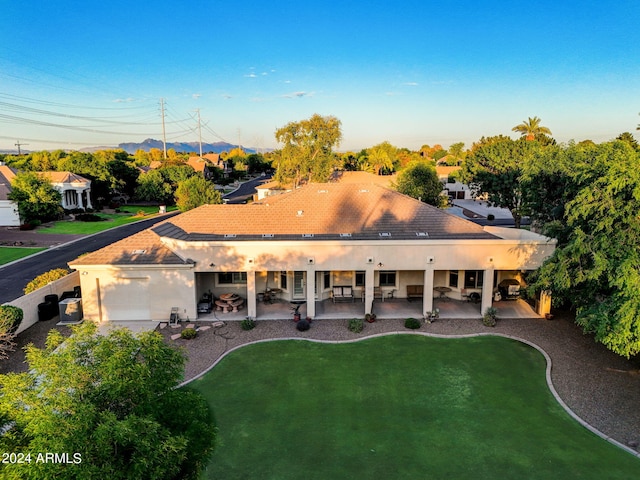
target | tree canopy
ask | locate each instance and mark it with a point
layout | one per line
(494, 167)
(196, 191)
(36, 198)
(307, 152)
(531, 128)
(597, 267)
(419, 180)
(111, 400)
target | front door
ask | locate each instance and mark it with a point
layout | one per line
(299, 286)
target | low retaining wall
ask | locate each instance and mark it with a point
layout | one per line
(29, 303)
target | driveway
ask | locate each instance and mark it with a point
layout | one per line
(245, 190)
(63, 248)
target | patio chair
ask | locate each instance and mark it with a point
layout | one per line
(377, 293)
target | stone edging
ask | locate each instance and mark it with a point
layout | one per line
(436, 335)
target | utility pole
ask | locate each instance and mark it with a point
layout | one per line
(164, 133)
(18, 144)
(199, 131)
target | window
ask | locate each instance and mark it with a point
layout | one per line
(326, 280)
(387, 279)
(453, 278)
(359, 279)
(283, 280)
(473, 278)
(232, 277)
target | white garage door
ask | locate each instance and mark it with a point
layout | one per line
(9, 214)
(126, 299)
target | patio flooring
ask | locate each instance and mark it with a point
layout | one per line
(389, 309)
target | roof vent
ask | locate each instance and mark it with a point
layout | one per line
(267, 235)
(138, 252)
(422, 234)
(385, 234)
(307, 235)
(345, 235)
(364, 190)
(300, 212)
(229, 235)
(323, 191)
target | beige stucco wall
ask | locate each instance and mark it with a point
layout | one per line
(29, 303)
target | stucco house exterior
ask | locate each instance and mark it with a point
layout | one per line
(9, 215)
(75, 189)
(303, 244)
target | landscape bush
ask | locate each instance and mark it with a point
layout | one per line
(248, 324)
(412, 323)
(356, 325)
(45, 279)
(10, 318)
(188, 333)
(89, 217)
(303, 325)
(490, 317)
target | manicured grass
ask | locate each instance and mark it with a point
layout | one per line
(9, 254)
(398, 407)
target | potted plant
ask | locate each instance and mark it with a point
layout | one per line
(490, 317)
(370, 317)
(432, 316)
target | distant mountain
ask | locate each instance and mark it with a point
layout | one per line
(150, 143)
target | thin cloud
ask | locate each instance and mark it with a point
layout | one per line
(411, 84)
(196, 96)
(123, 100)
(298, 94)
(227, 96)
(250, 75)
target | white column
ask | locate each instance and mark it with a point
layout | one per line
(427, 290)
(487, 290)
(64, 199)
(79, 199)
(88, 191)
(311, 292)
(369, 280)
(251, 294)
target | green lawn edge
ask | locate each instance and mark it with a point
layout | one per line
(11, 254)
(400, 406)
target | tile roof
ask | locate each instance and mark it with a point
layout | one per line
(362, 177)
(65, 177)
(143, 248)
(325, 211)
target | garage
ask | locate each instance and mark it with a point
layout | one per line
(125, 299)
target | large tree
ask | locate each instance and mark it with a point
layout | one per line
(110, 403)
(419, 180)
(36, 198)
(307, 152)
(531, 128)
(494, 167)
(196, 191)
(598, 268)
(382, 157)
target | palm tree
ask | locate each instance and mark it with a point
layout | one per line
(531, 128)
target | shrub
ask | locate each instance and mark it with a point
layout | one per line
(45, 279)
(491, 217)
(10, 318)
(490, 317)
(412, 323)
(188, 333)
(89, 217)
(356, 325)
(248, 324)
(303, 325)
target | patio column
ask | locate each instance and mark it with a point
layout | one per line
(311, 293)
(88, 192)
(64, 200)
(369, 280)
(252, 310)
(79, 199)
(487, 290)
(427, 290)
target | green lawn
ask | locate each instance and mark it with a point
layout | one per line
(401, 407)
(9, 254)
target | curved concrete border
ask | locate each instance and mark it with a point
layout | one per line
(436, 335)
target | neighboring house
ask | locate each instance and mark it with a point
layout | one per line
(217, 161)
(9, 216)
(376, 242)
(75, 190)
(455, 190)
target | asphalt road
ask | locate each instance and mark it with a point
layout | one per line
(14, 277)
(245, 190)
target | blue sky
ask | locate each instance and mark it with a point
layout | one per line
(408, 72)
